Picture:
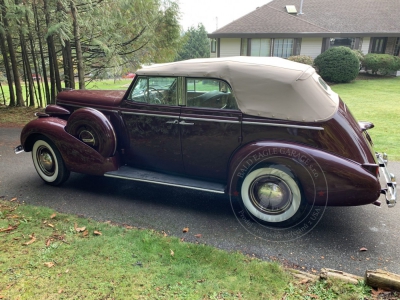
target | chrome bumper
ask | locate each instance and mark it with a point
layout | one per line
(19, 149)
(390, 180)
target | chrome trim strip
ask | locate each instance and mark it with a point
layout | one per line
(150, 115)
(283, 125)
(210, 120)
(75, 105)
(164, 183)
(390, 190)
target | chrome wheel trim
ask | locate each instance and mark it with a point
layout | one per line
(287, 201)
(45, 161)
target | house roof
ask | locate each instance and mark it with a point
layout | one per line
(327, 18)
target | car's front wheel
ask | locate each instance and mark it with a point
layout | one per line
(48, 162)
(272, 196)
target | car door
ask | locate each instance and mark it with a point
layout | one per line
(210, 125)
(151, 115)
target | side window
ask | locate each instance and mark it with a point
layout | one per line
(209, 93)
(155, 90)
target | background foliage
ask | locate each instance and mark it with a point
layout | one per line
(195, 44)
(78, 40)
(338, 64)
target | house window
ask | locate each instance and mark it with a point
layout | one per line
(283, 47)
(378, 45)
(260, 47)
(243, 47)
(213, 45)
(346, 42)
(397, 47)
(270, 47)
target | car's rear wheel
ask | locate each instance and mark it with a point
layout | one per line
(48, 162)
(272, 196)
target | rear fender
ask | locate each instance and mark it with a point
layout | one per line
(325, 179)
(78, 156)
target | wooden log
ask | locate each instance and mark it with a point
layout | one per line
(383, 280)
(330, 273)
(303, 275)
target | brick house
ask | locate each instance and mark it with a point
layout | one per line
(284, 28)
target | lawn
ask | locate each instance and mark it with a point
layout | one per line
(377, 101)
(48, 255)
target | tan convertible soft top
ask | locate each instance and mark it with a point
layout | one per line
(263, 86)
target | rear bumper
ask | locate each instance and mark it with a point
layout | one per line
(389, 190)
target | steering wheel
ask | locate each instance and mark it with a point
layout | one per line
(155, 96)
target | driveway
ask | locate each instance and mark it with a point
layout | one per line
(334, 242)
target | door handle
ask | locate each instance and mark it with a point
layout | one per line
(172, 122)
(184, 123)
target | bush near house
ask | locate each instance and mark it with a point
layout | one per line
(338, 65)
(382, 63)
(304, 59)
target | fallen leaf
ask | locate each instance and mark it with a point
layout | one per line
(48, 242)
(182, 239)
(186, 229)
(49, 264)
(9, 228)
(363, 249)
(79, 229)
(172, 252)
(377, 292)
(53, 216)
(85, 233)
(97, 232)
(50, 225)
(13, 199)
(198, 235)
(128, 227)
(322, 257)
(33, 239)
(60, 291)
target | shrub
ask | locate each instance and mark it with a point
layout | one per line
(359, 55)
(303, 59)
(382, 63)
(338, 64)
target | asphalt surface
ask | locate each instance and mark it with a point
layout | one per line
(333, 241)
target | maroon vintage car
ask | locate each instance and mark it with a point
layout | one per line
(267, 131)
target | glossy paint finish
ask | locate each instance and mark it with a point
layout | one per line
(56, 110)
(95, 122)
(214, 144)
(78, 157)
(208, 144)
(84, 98)
(154, 137)
(325, 178)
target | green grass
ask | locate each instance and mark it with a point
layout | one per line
(62, 262)
(377, 101)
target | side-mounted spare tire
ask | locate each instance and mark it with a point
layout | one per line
(94, 129)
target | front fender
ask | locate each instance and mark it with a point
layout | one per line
(78, 156)
(326, 179)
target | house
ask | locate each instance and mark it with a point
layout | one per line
(309, 27)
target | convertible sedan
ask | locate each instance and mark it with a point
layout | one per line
(266, 131)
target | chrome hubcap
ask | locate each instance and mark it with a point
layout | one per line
(270, 195)
(87, 137)
(45, 161)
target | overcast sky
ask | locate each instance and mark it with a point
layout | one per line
(213, 12)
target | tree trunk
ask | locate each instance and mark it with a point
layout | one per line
(14, 66)
(44, 70)
(2, 93)
(68, 66)
(7, 66)
(38, 94)
(79, 55)
(25, 59)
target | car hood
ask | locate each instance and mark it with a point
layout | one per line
(89, 98)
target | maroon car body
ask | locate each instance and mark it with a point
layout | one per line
(195, 125)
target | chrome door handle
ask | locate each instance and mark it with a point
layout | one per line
(184, 123)
(172, 122)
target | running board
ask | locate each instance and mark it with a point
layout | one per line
(130, 173)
